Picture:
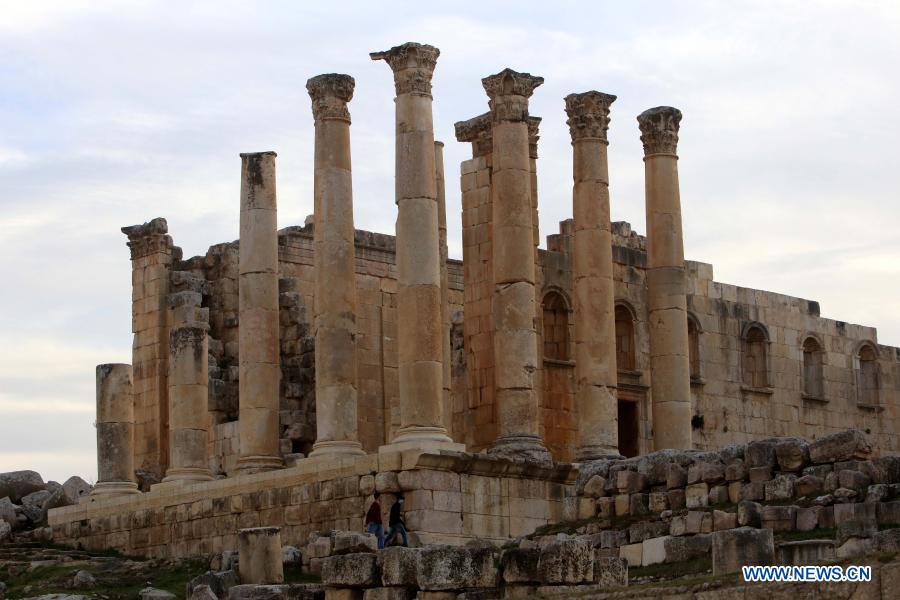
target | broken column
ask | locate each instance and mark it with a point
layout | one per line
(335, 260)
(513, 298)
(259, 549)
(188, 389)
(670, 370)
(594, 290)
(258, 345)
(115, 431)
(445, 282)
(419, 328)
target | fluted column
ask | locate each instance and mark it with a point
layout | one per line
(115, 431)
(445, 283)
(513, 298)
(419, 325)
(594, 290)
(670, 378)
(258, 351)
(335, 260)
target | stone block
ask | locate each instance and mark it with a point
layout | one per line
(443, 568)
(387, 482)
(658, 502)
(630, 482)
(734, 491)
(718, 494)
(397, 566)
(758, 474)
(638, 532)
(638, 504)
(808, 518)
(888, 513)
(676, 499)
(520, 565)
(351, 570)
(887, 540)
(826, 517)
(366, 485)
(854, 547)
(854, 512)
(610, 571)
(623, 505)
(696, 495)
(595, 487)
(779, 518)
(734, 548)
(724, 520)
(735, 471)
(654, 551)
(854, 480)
(792, 454)
(760, 453)
(676, 476)
(612, 538)
(632, 554)
(352, 542)
(687, 548)
(606, 507)
(755, 490)
(568, 562)
(218, 582)
(781, 488)
(389, 593)
(809, 485)
(845, 445)
(708, 472)
(319, 547)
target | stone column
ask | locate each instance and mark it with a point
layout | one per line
(670, 371)
(335, 266)
(594, 289)
(189, 398)
(513, 299)
(418, 250)
(115, 431)
(445, 283)
(259, 549)
(258, 344)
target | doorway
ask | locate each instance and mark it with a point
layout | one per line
(628, 429)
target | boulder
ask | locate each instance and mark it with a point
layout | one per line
(366, 485)
(734, 548)
(218, 582)
(520, 565)
(568, 562)
(809, 485)
(83, 579)
(75, 487)
(760, 453)
(887, 468)
(352, 542)
(397, 565)
(594, 488)
(845, 445)
(151, 593)
(735, 471)
(32, 505)
(781, 488)
(887, 540)
(351, 570)
(854, 480)
(724, 520)
(18, 484)
(5, 531)
(792, 454)
(203, 592)
(8, 512)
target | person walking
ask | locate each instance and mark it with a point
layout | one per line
(396, 523)
(374, 524)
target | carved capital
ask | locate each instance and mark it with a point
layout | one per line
(149, 238)
(659, 130)
(534, 124)
(476, 130)
(413, 65)
(509, 92)
(330, 94)
(589, 115)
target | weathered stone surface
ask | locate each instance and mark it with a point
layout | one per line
(708, 472)
(351, 570)
(594, 488)
(654, 551)
(718, 494)
(888, 513)
(610, 571)
(887, 540)
(8, 512)
(808, 518)
(520, 565)
(676, 499)
(567, 562)
(632, 554)
(5, 531)
(17, 484)
(809, 485)
(638, 532)
(151, 593)
(696, 495)
(294, 591)
(687, 548)
(397, 565)
(630, 482)
(453, 568)
(351, 542)
(792, 454)
(760, 474)
(387, 482)
(676, 476)
(75, 487)
(388, 593)
(734, 548)
(845, 445)
(760, 453)
(735, 471)
(754, 491)
(724, 520)
(854, 512)
(854, 547)
(32, 505)
(218, 582)
(854, 480)
(779, 518)
(781, 488)
(203, 592)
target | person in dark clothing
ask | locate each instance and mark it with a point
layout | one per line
(396, 523)
(374, 524)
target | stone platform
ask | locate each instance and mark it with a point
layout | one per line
(451, 498)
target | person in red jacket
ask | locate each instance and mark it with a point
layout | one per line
(374, 524)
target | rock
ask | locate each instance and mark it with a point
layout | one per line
(809, 485)
(2, 586)
(75, 487)
(724, 520)
(854, 512)
(655, 466)
(56, 499)
(290, 555)
(520, 565)
(735, 471)
(676, 499)
(567, 562)
(808, 518)
(451, 568)
(83, 579)
(644, 530)
(630, 482)
(594, 488)
(846, 445)
(856, 528)
(5, 531)
(687, 548)
(706, 472)
(319, 547)
(612, 538)
(734, 548)
(887, 468)
(696, 495)
(657, 502)
(387, 482)
(218, 582)
(351, 542)
(32, 505)
(151, 593)
(350, 570)
(779, 518)
(854, 547)
(8, 512)
(366, 485)
(397, 565)
(17, 484)
(759, 474)
(610, 571)
(880, 492)
(887, 540)
(718, 494)
(755, 490)
(760, 453)
(888, 513)
(780, 488)
(676, 476)
(854, 480)
(203, 592)
(791, 453)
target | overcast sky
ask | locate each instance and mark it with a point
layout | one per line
(112, 113)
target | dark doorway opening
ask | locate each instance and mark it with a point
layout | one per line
(628, 428)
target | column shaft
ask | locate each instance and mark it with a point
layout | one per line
(420, 325)
(669, 349)
(513, 298)
(115, 431)
(445, 283)
(335, 261)
(594, 289)
(259, 352)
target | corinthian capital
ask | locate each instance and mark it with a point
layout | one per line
(413, 65)
(659, 130)
(534, 124)
(150, 238)
(509, 92)
(588, 115)
(476, 130)
(330, 94)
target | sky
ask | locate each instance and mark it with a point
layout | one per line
(116, 112)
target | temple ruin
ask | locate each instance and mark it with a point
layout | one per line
(280, 379)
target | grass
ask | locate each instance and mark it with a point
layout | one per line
(694, 566)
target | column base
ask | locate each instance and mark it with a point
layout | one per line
(115, 488)
(521, 446)
(336, 448)
(420, 437)
(258, 464)
(187, 474)
(588, 453)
